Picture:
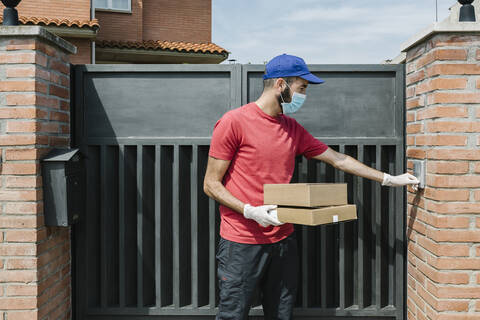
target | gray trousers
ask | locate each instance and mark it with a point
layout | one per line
(245, 268)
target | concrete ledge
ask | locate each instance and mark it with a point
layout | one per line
(441, 27)
(67, 32)
(37, 31)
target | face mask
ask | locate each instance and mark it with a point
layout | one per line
(297, 101)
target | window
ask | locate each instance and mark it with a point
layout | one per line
(115, 5)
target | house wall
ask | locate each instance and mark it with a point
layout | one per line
(443, 130)
(72, 10)
(186, 20)
(84, 51)
(121, 26)
(35, 260)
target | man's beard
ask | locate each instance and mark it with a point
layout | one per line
(285, 94)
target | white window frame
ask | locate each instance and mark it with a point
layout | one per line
(111, 9)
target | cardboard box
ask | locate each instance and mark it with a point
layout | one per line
(305, 194)
(317, 216)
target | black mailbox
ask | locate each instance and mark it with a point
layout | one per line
(63, 186)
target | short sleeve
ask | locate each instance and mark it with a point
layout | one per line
(307, 144)
(225, 142)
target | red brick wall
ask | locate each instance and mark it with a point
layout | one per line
(186, 20)
(75, 9)
(182, 20)
(84, 51)
(443, 225)
(121, 26)
(34, 116)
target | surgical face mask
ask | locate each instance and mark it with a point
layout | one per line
(297, 102)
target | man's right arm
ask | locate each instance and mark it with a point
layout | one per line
(213, 187)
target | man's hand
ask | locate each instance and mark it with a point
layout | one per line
(401, 180)
(264, 215)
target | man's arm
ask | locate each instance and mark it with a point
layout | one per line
(213, 187)
(348, 164)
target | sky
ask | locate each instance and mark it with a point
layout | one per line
(320, 31)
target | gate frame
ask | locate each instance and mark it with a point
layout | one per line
(239, 74)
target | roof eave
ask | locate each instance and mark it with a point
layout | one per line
(126, 55)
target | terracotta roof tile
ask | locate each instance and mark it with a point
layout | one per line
(93, 24)
(207, 47)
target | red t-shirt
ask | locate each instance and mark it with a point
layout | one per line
(262, 149)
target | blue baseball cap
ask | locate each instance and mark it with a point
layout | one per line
(286, 65)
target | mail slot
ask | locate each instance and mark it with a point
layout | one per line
(63, 175)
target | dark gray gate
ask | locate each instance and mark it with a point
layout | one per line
(146, 246)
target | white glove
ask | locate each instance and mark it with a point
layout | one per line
(398, 181)
(265, 215)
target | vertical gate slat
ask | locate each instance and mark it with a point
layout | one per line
(211, 273)
(176, 226)
(399, 233)
(372, 228)
(360, 251)
(83, 298)
(157, 196)
(323, 251)
(121, 224)
(341, 273)
(305, 275)
(194, 223)
(139, 226)
(103, 224)
(305, 245)
(356, 200)
(378, 231)
(391, 234)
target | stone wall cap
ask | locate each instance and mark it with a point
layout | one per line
(40, 32)
(441, 27)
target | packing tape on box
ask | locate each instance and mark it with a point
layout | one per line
(335, 218)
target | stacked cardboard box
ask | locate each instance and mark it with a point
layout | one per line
(310, 203)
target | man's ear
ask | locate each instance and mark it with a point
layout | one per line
(279, 84)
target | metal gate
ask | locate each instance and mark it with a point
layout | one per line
(146, 245)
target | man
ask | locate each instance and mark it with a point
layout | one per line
(253, 145)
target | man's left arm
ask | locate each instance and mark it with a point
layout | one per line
(353, 166)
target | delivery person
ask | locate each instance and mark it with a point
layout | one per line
(253, 145)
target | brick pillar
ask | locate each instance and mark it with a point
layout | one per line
(443, 129)
(34, 116)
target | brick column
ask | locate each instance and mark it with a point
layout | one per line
(443, 129)
(34, 116)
